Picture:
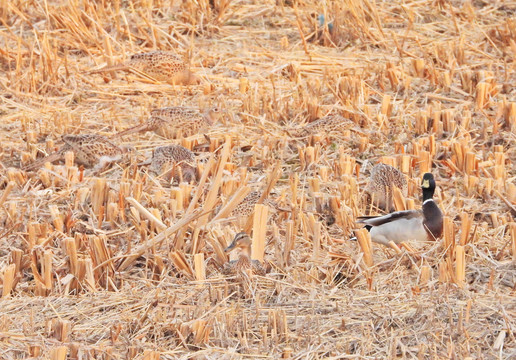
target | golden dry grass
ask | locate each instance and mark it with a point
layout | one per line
(122, 266)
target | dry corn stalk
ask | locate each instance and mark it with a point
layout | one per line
(58, 353)
(425, 275)
(157, 222)
(159, 238)
(398, 199)
(364, 240)
(8, 280)
(200, 267)
(181, 263)
(211, 198)
(460, 265)
(61, 329)
(448, 235)
(316, 241)
(10, 186)
(239, 195)
(151, 355)
(465, 228)
(259, 230)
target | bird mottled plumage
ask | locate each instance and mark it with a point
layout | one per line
(379, 191)
(90, 150)
(167, 159)
(244, 264)
(246, 206)
(419, 225)
(160, 65)
(326, 124)
(170, 121)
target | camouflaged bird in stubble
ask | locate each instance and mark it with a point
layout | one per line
(169, 122)
(380, 189)
(326, 124)
(167, 159)
(160, 65)
(90, 150)
(240, 267)
(246, 206)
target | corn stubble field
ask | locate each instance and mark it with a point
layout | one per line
(120, 264)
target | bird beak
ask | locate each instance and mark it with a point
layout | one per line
(426, 184)
(230, 247)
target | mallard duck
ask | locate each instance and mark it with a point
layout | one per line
(379, 191)
(420, 225)
(244, 264)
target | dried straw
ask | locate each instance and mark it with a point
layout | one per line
(116, 264)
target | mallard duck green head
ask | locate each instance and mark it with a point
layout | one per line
(428, 186)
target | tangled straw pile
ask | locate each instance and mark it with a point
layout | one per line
(121, 265)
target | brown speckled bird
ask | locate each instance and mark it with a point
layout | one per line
(246, 206)
(325, 124)
(170, 121)
(244, 265)
(379, 191)
(167, 159)
(90, 150)
(160, 65)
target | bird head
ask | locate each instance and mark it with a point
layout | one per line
(128, 149)
(214, 114)
(193, 79)
(428, 181)
(190, 174)
(241, 241)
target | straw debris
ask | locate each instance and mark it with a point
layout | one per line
(111, 262)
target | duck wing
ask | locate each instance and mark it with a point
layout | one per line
(380, 220)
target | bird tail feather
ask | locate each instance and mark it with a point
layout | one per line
(39, 163)
(135, 129)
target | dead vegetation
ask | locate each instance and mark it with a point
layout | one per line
(119, 264)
